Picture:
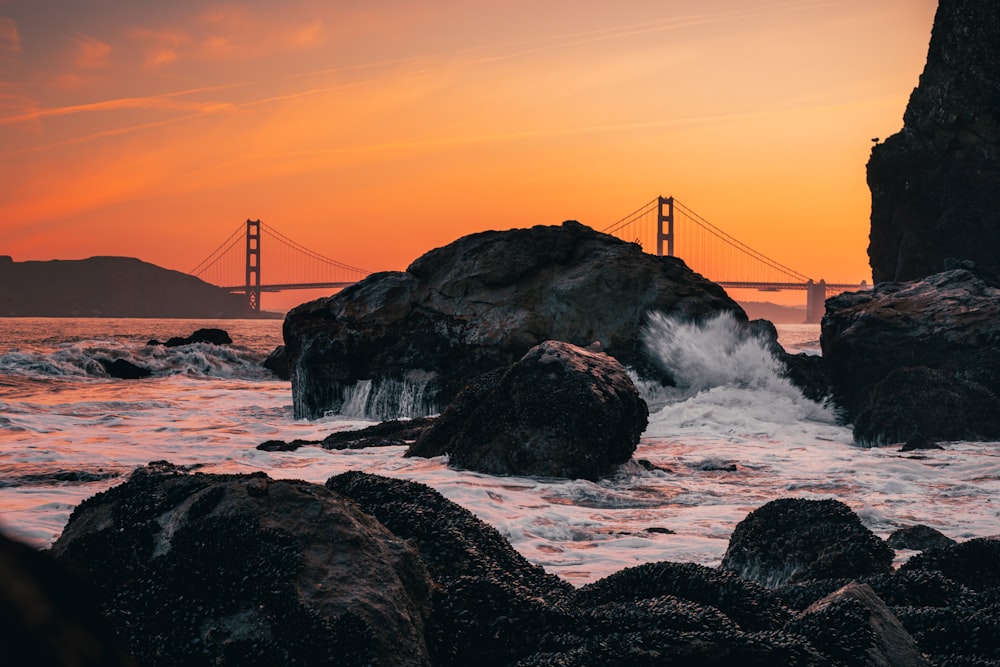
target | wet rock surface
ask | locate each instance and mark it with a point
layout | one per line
(184, 578)
(277, 363)
(936, 184)
(124, 369)
(213, 336)
(392, 433)
(480, 303)
(791, 540)
(946, 327)
(560, 411)
(200, 569)
(919, 538)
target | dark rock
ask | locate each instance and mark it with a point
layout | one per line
(491, 606)
(660, 530)
(48, 615)
(855, 627)
(972, 564)
(481, 303)
(749, 605)
(648, 465)
(936, 184)
(958, 636)
(283, 446)
(124, 369)
(277, 363)
(919, 405)
(393, 433)
(213, 336)
(918, 442)
(436, 440)
(791, 540)
(239, 569)
(919, 538)
(948, 322)
(561, 411)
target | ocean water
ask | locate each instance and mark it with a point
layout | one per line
(734, 436)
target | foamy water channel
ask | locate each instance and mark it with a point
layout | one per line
(734, 437)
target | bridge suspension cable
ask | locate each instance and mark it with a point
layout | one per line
(703, 246)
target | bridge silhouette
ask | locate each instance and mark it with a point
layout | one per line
(663, 224)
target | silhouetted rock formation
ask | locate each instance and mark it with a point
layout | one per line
(919, 538)
(481, 303)
(124, 369)
(936, 184)
(109, 287)
(277, 363)
(948, 322)
(48, 615)
(213, 336)
(241, 569)
(560, 411)
(791, 540)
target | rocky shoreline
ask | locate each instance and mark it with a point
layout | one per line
(368, 570)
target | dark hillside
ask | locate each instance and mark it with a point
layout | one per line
(109, 287)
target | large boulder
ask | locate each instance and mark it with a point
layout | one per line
(949, 322)
(929, 404)
(412, 340)
(855, 611)
(491, 606)
(936, 184)
(560, 411)
(791, 540)
(197, 569)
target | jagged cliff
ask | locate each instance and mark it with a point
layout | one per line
(109, 287)
(936, 184)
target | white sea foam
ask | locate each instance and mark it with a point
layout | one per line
(726, 446)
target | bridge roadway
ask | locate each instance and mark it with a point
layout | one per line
(241, 289)
(777, 287)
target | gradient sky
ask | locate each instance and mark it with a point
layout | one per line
(372, 131)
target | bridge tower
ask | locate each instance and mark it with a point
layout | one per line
(665, 214)
(253, 265)
(815, 301)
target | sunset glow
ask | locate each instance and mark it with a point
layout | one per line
(372, 132)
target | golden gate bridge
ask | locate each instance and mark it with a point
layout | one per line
(664, 223)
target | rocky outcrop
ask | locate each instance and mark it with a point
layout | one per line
(949, 323)
(277, 363)
(491, 605)
(936, 184)
(791, 540)
(213, 336)
(925, 404)
(879, 639)
(124, 369)
(478, 304)
(200, 569)
(560, 411)
(919, 538)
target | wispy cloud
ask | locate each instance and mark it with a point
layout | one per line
(91, 52)
(10, 40)
(172, 101)
(159, 47)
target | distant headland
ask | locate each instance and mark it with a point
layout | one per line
(111, 287)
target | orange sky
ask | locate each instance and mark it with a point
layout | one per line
(374, 131)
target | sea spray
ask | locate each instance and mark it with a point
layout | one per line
(727, 381)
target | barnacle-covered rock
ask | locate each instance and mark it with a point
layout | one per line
(197, 569)
(793, 539)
